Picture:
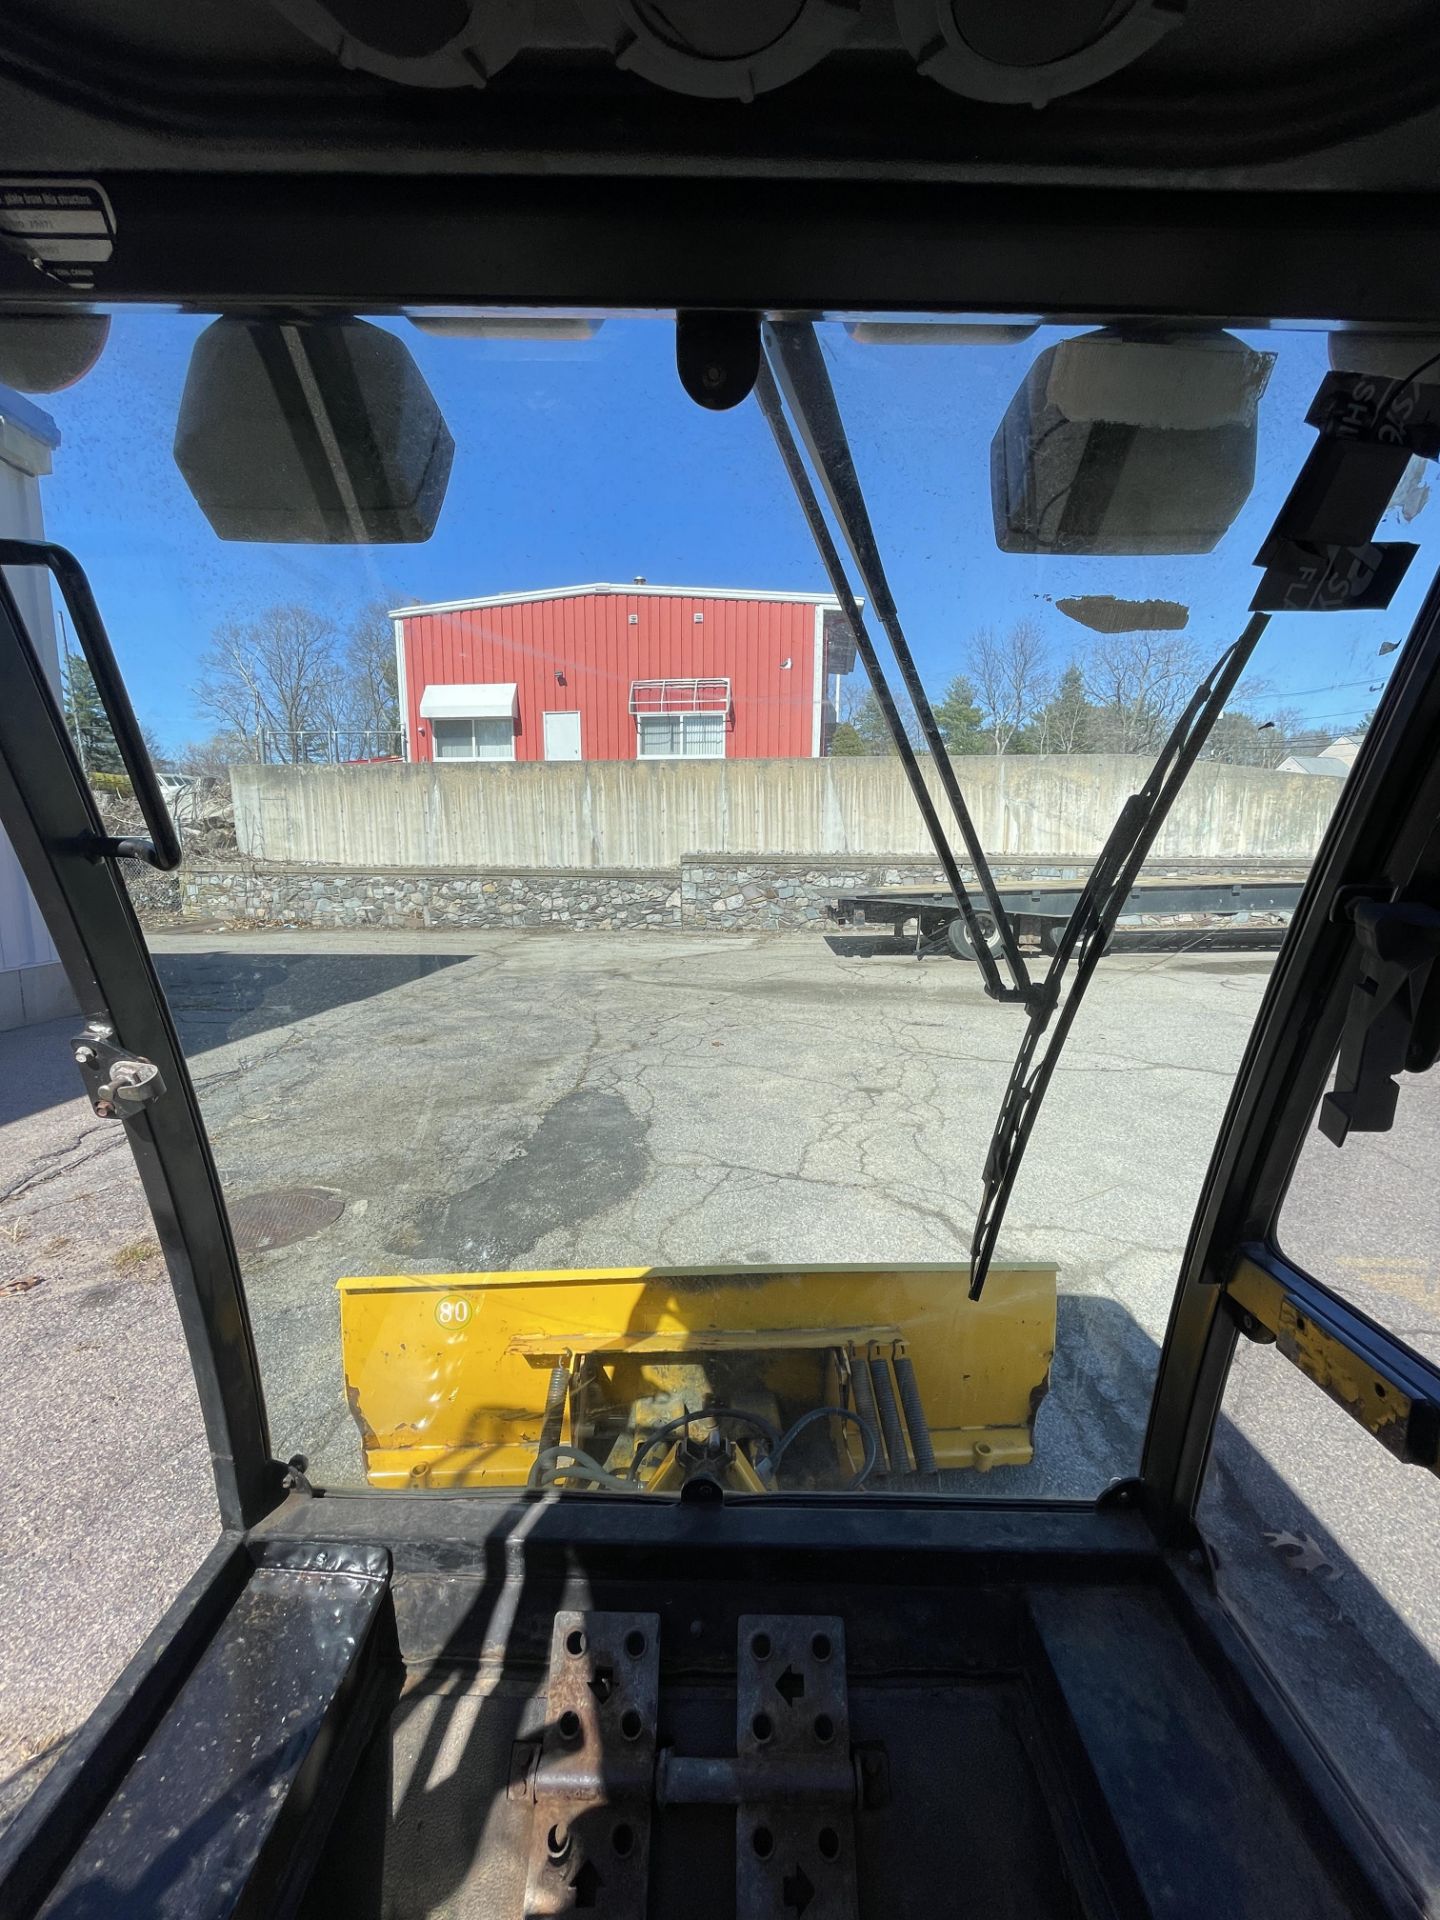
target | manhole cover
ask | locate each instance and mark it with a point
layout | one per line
(260, 1221)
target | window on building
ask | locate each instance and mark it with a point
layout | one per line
(489, 738)
(680, 736)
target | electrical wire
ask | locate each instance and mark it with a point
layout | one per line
(772, 1434)
(867, 1434)
(1424, 367)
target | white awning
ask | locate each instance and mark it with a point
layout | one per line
(489, 700)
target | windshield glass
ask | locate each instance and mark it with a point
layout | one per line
(595, 1056)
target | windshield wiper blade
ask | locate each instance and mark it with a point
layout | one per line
(794, 365)
(1085, 935)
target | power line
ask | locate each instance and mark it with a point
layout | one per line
(1335, 686)
(1350, 719)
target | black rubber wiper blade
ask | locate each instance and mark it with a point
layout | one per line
(1083, 940)
(794, 358)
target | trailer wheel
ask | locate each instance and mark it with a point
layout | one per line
(961, 944)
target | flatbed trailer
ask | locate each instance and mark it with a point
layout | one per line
(1040, 912)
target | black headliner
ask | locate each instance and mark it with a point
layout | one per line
(1236, 170)
(1351, 101)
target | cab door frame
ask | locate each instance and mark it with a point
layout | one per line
(1382, 839)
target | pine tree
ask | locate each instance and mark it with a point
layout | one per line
(1063, 724)
(86, 721)
(865, 718)
(960, 720)
(846, 742)
(868, 721)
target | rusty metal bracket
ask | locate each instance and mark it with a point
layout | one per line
(795, 1831)
(1390, 1391)
(592, 1779)
(118, 1083)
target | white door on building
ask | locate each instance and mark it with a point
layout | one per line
(562, 736)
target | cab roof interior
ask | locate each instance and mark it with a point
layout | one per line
(1234, 166)
(1233, 93)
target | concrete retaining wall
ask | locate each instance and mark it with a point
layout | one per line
(624, 816)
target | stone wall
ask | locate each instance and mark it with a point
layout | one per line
(707, 891)
(280, 896)
(781, 896)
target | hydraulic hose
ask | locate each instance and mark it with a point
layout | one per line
(550, 1465)
(867, 1434)
(686, 1419)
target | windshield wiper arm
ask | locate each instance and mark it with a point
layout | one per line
(1086, 933)
(794, 364)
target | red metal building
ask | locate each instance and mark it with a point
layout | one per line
(627, 672)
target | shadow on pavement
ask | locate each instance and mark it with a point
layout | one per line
(36, 1069)
(218, 997)
(869, 946)
(214, 998)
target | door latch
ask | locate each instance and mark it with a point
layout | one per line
(119, 1084)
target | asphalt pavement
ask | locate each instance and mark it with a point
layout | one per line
(511, 1100)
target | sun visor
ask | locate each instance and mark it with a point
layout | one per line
(311, 431)
(1122, 446)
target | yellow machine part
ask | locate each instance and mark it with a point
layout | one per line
(446, 1373)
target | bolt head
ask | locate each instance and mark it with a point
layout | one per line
(83, 1056)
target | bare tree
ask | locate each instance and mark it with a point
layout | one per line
(276, 679)
(851, 696)
(1138, 682)
(375, 713)
(160, 759)
(1253, 733)
(1011, 675)
(214, 756)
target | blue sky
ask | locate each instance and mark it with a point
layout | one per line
(584, 461)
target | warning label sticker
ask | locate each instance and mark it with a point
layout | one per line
(66, 228)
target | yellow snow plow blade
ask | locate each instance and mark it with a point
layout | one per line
(469, 1379)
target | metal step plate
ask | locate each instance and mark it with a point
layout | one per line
(593, 1781)
(794, 1858)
